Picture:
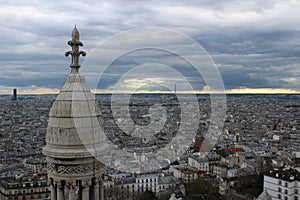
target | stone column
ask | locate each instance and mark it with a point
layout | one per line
(72, 191)
(86, 190)
(96, 190)
(101, 189)
(53, 192)
(60, 191)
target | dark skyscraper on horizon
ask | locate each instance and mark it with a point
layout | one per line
(14, 94)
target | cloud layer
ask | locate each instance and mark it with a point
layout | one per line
(254, 44)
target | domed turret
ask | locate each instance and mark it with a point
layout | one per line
(73, 134)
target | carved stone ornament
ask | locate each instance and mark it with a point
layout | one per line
(74, 169)
(75, 53)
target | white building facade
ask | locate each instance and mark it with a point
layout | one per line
(199, 163)
(283, 184)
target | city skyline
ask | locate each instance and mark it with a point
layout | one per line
(255, 46)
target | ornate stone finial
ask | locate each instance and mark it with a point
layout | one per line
(75, 53)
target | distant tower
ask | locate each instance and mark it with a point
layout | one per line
(175, 89)
(14, 94)
(73, 172)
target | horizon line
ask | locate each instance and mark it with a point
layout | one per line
(240, 90)
(169, 93)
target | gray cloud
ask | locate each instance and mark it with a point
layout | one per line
(255, 44)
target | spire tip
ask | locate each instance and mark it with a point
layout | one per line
(75, 52)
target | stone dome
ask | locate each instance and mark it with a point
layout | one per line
(74, 120)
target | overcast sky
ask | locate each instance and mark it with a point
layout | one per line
(255, 44)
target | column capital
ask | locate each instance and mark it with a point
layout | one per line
(71, 184)
(97, 180)
(53, 181)
(86, 183)
(57, 182)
